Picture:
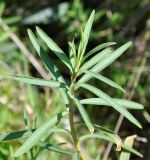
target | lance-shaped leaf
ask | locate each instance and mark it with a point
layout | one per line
(85, 35)
(54, 148)
(97, 58)
(44, 56)
(16, 135)
(129, 149)
(98, 48)
(37, 81)
(122, 102)
(49, 64)
(97, 135)
(72, 53)
(54, 47)
(107, 138)
(27, 133)
(104, 79)
(60, 130)
(103, 129)
(106, 62)
(129, 142)
(109, 100)
(38, 134)
(44, 145)
(97, 127)
(110, 133)
(83, 113)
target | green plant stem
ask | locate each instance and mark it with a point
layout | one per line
(71, 114)
(73, 131)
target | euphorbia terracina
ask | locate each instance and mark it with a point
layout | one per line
(82, 68)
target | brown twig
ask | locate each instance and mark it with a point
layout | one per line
(24, 50)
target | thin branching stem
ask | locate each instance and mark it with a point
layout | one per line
(71, 114)
(71, 120)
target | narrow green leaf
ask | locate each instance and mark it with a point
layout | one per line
(42, 152)
(97, 58)
(44, 56)
(98, 48)
(54, 47)
(49, 65)
(129, 149)
(106, 62)
(129, 142)
(122, 102)
(91, 136)
(88, 27)
(72, 53)
(37, 81)
(110, 133)
(54, 148)
(60, 130)
(104, 79)
(146, 116)
(97, 135)
(27, 133)
(83, 113)
(38, 134)
(15, 135)
(97, 127)
(103, 129)
(109, 100)
(107, 138)
(85, 35)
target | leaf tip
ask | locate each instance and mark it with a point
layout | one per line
(140, 126)
(30, 33)
(129, 44)
(118, 147)
(37, 28)
(141, 106)
(93, 12)
(92, 130)
(118, 144)
(123, 90)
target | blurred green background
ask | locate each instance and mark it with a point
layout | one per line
(115, 20)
